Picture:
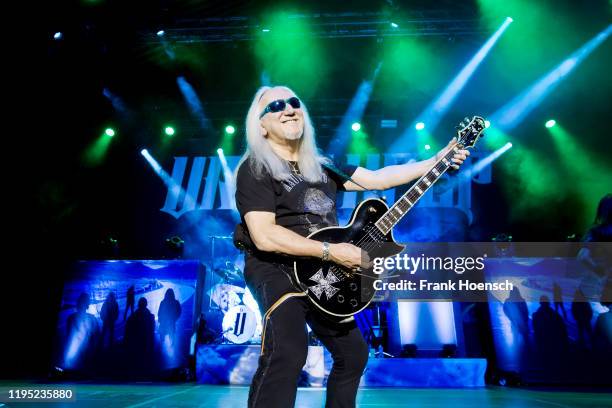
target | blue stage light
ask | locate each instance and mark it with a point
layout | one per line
(58, 36)
(514, 112)
(433, 113)
(353, 115)
(419, 126)
(193, 102)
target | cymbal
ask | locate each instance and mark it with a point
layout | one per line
(231, 275)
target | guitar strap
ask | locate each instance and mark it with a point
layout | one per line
(330, 166)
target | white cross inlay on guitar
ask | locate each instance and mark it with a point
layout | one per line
(324, 284)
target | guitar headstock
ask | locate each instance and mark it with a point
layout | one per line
(470, 131)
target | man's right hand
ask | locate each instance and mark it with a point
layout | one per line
(348, 255)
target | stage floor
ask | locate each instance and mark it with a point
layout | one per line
(192, 395)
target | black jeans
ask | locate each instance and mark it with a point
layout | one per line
(285, 347)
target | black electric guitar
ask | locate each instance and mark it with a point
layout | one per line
(340, 292)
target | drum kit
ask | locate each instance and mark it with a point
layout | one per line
(233, 314)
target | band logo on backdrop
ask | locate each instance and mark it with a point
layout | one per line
(204, 186)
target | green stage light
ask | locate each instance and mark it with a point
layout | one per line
(550, 123)
(394, 25)
(356, 126)
(169, 130)
(419, 126)
(427, 147)
(109, 132)
(230, 130)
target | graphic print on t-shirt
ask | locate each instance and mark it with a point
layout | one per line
(291, 181)
(315, 201)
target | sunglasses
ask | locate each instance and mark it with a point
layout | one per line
(279, 105)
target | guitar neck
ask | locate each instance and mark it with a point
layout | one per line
(414, 193)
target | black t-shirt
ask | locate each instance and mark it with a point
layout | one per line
(299, 205)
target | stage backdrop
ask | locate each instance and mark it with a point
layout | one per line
(122, 319)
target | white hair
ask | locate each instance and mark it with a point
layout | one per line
(263, 156)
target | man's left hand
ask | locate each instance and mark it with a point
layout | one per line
(459, 156)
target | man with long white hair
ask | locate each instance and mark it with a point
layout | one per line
(284, 192)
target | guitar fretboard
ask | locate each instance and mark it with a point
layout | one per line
(414, 193)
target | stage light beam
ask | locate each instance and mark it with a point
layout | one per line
(174, 188)
(229, 177)
(169, 131)
(352, 116)
(419, 126)
(193, 101)
(94, 154)
(468, 173)
(434, 112)
(117, 102)
(514, 112)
